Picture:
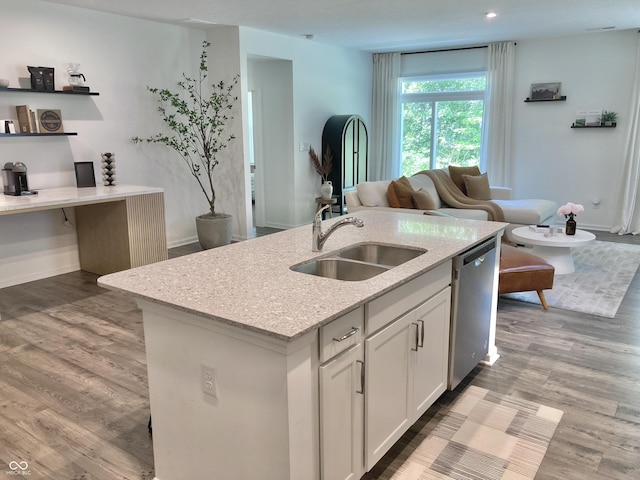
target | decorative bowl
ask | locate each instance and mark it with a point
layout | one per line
(4, 83)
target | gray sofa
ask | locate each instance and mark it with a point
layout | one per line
(373, 195)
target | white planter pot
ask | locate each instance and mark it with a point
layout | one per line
(326, 190)
(214, 231)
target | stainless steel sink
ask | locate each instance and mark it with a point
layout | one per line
(359, 262)
(340, 269)
(379, 254)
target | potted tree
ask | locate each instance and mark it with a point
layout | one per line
(197, 115)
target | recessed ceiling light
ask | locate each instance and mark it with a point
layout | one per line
(491, 15)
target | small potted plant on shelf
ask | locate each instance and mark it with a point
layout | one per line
(197, 116)
(609, 118)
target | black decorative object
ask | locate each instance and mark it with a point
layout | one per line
(108, 169)
(42, 78)
(85, 176)
(570, 227)
(346, 138)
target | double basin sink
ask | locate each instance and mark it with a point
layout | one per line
(359, 262)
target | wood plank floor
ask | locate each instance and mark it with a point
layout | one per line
(74, 400)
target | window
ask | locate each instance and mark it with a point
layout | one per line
(441, 121)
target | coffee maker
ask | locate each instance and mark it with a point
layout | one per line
(14, 179)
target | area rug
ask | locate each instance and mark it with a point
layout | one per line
(482, 436)
(603, 273)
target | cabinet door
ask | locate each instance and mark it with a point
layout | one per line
(341, 416)
(429, 364)
(387, 409)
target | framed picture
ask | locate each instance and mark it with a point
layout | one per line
(50, 121)
(85, 176)
(545, 91)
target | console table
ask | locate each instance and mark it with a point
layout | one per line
(118, 227)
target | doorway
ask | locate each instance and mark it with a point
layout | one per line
(270, 123)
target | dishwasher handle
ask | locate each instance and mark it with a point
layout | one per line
(478, 261)
(477, 255)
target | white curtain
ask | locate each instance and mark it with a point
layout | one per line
(495, 157)
(628, 216)
(384, 155)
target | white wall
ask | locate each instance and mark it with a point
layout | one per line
(551, 160)
(327, 80)
(120, 57)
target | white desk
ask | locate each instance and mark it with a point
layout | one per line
(555, 249)
(119, 227)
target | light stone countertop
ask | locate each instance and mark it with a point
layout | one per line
(249, 284)
(48, 198)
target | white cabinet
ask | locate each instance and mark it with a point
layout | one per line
(387, 386)
(382, 366)
(406, 371)
(431, 361)
(341, 414)
(341, 382)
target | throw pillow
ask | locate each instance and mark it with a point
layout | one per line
(373, 194)
(477, 186)
(456, 174)
(399, 193)
(423, 201)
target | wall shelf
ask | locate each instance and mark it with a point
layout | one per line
(573, 125)
(63, 134)
(60, 92)
(51, 92)
(563, 98)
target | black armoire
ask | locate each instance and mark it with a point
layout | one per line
(346, 136)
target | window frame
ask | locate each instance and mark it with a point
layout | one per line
(433, 98)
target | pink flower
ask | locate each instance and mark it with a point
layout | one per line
(570, 209)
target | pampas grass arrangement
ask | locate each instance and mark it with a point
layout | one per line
(323, 168)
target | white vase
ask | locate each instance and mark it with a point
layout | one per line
(326, 190)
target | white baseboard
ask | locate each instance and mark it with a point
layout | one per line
(36, 274)
(181, 242)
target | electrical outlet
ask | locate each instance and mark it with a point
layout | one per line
(208, 381)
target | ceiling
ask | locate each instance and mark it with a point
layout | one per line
(391, 25)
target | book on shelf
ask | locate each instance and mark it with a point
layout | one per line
(588, 118)
(32, 120)
(593, 118)
(26, 119)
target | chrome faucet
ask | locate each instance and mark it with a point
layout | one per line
(319, 237)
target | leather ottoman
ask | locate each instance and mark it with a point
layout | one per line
(521, 271)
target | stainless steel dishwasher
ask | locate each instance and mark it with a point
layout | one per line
(472, 290)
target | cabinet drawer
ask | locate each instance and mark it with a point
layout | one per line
(341, 334)
(391, 305)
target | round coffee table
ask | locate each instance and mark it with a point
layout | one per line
(556, 249)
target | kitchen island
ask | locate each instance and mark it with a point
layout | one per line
(247, 359)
